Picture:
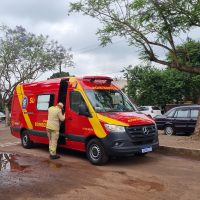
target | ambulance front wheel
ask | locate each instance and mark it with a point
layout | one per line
(26, 142)
(96, 153)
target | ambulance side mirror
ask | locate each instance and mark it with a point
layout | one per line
(83, 110)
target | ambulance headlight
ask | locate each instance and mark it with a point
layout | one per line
(114, 128)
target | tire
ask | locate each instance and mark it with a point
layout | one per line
(96, 153)
(169, 130)
(25, 140)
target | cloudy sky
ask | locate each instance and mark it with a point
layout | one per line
(49, 17)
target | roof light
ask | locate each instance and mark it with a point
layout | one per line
(98, 79)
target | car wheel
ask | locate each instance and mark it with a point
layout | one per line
(96, 153)
(25, 140)
(169, 130)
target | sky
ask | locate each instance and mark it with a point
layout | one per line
(78, 32)
(50, 17)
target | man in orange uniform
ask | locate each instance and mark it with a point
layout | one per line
(53, 125)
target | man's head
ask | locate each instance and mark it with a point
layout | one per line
(60, 105)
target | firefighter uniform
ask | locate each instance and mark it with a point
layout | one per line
(53, 125)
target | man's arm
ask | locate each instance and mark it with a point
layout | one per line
(61, 116)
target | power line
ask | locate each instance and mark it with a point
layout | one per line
(93, 47)
(87, 47)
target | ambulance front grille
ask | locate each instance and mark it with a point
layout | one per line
(142, 134)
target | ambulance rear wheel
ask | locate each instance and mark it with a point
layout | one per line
(96, 153)
(26, 142)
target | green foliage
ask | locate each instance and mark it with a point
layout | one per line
(150, 86)
(151, 25)
(188, 53)
(59, 75)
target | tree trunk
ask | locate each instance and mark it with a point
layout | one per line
(1, 101)
(7, 113)
(197, 128)
(60, 67)
(198, 101)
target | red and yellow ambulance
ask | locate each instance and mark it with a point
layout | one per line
(100, 119)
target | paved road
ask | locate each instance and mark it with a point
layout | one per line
(29, 174)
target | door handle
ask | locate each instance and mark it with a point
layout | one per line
(28, 113)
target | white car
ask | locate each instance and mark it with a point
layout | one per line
(2, 116)
(150, 111)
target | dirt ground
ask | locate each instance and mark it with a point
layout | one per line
(28, 174)
(154, 176)
(179, 141)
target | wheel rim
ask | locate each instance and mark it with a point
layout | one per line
(25, 139)
(95, 152)
(169, 130)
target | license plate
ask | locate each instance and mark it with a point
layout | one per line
(147, 149)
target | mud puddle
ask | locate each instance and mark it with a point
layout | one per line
(8, 163)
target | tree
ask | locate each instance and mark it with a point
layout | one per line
(192, 58)
(59, 75)
(143, 84)
(150, 86)
(151, 25)
(64, 58)
(1, 103)
(24, 56)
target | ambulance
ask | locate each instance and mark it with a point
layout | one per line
(100, 119)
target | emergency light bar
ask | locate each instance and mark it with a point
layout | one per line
(98, 79)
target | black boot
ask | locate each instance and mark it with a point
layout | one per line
(53, 157)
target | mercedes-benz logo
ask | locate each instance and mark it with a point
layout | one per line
(145, 130)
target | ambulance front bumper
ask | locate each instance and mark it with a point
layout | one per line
(123, 144)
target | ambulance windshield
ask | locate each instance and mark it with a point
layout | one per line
(109, 101)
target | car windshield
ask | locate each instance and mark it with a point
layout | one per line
(109, 101)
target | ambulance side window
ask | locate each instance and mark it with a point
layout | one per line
(44, 101)
(75, 100)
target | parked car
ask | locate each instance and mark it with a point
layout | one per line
(178, 120)
(2, 116)
(150, 111)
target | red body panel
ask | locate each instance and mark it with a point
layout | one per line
(74, 145)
